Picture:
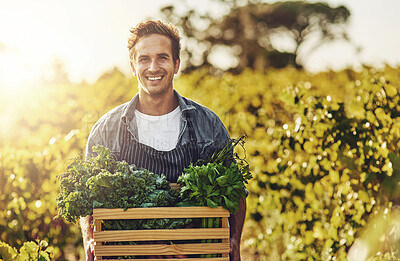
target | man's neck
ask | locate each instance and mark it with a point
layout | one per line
(157, 105)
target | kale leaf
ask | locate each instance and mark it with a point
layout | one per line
(103, 182)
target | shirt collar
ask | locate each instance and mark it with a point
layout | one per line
(129, 112)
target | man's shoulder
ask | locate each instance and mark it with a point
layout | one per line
(106, 130)
(206, 122)
(211, 133)
(112, 116)
(199, 109)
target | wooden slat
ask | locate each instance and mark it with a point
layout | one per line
(161, 249)
(225, 224)
(98, 227)
(97, 224)
(161, 234)
(159, 212)
(177, 259)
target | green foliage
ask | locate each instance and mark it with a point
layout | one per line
(7, 252)
(27, 194)
(103, 182)
(333, 164)
(211, 183)
(32, 250)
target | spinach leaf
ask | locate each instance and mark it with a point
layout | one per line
(217, 181)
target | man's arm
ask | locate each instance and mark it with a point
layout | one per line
(87, 236)
(236, 222)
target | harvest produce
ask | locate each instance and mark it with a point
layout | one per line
(218, 181)
(103, 182)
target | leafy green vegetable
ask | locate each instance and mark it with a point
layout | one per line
(103, 182)
(218, 181)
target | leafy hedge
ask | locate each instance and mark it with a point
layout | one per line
(331, 166)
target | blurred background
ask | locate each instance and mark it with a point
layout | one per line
(89, 37)
(313, 84)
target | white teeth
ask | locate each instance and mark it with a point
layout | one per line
(154, 78)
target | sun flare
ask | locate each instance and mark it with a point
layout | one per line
(16, 75)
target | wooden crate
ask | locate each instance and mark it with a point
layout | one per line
(221, 247)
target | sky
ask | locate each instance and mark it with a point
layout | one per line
(89, 37)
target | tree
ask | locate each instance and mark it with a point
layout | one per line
(249, 32)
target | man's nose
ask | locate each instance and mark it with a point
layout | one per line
(153, 65)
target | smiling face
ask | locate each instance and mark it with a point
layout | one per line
(153, 65)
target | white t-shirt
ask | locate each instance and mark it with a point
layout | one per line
(159, 132)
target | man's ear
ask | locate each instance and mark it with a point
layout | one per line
(177, 65)
(133, 68)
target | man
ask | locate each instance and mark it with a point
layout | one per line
(158, 129)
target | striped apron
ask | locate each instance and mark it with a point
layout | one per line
(170, 163)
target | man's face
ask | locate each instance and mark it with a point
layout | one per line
(153, 64)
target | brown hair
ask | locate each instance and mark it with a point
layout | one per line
(155, 27)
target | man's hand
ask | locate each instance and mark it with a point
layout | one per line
(89, 251)
(236, 222)
(87, 236)
(234, 254)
